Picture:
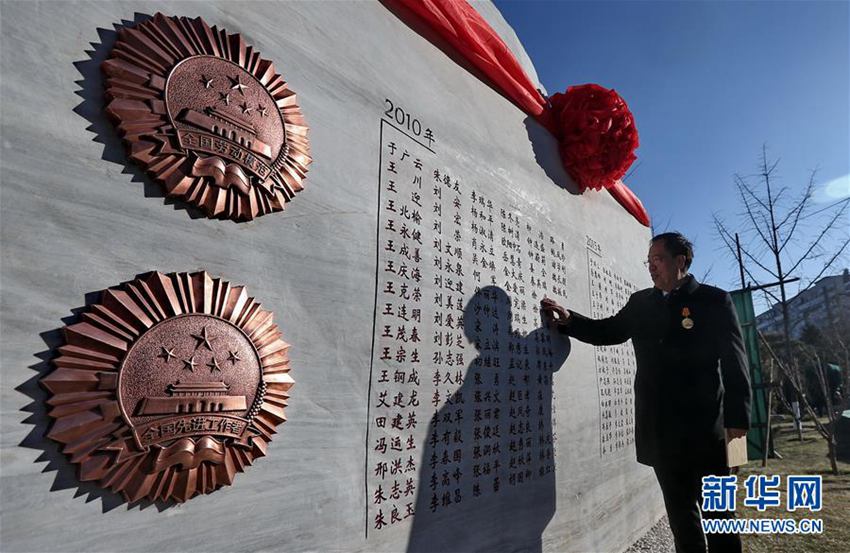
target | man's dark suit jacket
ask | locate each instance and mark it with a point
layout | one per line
(690, 384)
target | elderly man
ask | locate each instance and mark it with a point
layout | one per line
(692, 385)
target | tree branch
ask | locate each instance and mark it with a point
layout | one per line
(798, 211)
(632, 171)
(726, 236)
(817, 240)
(827, 208)
(773, 296)
(742, 187)
(797, 388)
(827, 265)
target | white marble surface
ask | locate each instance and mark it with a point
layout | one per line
(76, 219)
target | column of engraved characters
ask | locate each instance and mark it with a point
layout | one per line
(397, 367)
(533, 353)
(535, 244)
(623, 370)
(518, 370)
(615, 365)
(446, 440)
(542, 251)
(485, 369)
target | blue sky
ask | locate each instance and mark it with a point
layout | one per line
(709, 83)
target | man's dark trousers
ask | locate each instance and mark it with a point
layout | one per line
(691, 383)
(682, 487)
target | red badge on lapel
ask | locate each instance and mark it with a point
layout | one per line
(687, 322)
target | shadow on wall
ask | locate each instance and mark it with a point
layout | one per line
(545, 148)
(92, 108)
(66, 473)
(487, 472)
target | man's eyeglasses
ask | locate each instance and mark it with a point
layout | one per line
(654, 260)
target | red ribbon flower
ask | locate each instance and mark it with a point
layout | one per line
(597, 135)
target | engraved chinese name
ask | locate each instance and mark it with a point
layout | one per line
(615, 365)
(461, 384)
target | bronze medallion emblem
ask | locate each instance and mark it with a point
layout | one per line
(169, 386)
(207, 117)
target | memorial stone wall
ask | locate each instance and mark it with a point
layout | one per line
(431, 411)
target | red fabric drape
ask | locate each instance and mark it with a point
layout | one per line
(465, 30)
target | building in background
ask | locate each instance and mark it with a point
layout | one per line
(825, 305)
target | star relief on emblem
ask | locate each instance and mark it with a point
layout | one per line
(209, 119)
(190, 364)
(238, 85)
(214, 366)
(166, 353)
(181, 403)
(203, 339)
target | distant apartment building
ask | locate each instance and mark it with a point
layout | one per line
(825, 304)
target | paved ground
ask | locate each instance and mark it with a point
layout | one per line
(657, 540)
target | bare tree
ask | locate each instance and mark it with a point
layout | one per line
(810, 353)
(841, 340)
(778, 237)
(826, 431)
(835, 348)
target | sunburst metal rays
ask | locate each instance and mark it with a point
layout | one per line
(85, 393)
(138, 71)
